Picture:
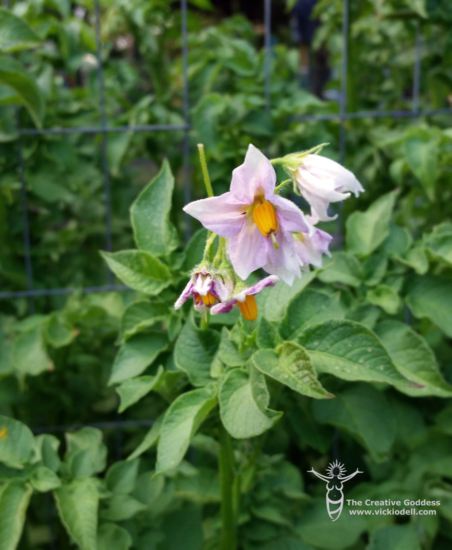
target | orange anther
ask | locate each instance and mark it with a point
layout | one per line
(248, 307)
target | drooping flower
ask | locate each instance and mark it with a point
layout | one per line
(321, 181)
(245, 300)
(310, 247)
(258, 223)
(207, 288)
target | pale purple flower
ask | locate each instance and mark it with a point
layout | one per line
(322, 181)
(240, 297)
(309, 247)
(232, 215)
(206, 289)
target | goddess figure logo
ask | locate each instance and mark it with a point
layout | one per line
(334, 482)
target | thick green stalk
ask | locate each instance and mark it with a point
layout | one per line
(229, 492)
(205, 172)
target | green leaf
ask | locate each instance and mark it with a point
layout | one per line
(315, 527)
(194, 352)
(86, 454)
(350, 351)
(228, 352)
(16, 442)
(112, 537)
(308, 308)
(195, 249)
(290, 364)
(189, 532)
(286, 543)
(422, 158)
(132, 391)
(273, 302)
(139, 270)
(398, 242)
(205, 117)
(150, 439)
(415, 258)
(121, 476)
(30, 354)
(244, 403)
(267, 335)
(148, 489)
(136, 355)
(439, 242)
(374, 269)
(47, 451)
(395, 537)
(306, 429)
(367, 230)
(14, 498)
(43, 479)
(364, 412)
(15, 34)
(58, 331)
(139, 316)
(181, 421)
(414, 358)
(77, 505)
(117, 146)
(204, 487)
(385, 297)
(150, 212)
(15, 76)
(345, 268)
(122, 507)
(366, 314)
(431, 296)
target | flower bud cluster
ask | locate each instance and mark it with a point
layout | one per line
(260, 229)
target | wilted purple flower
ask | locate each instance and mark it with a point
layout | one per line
(245, 299)
(206, 288)
(258, 223)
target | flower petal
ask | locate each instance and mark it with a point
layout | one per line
(290, 217)
(283, 273)
(255, 289)
(223, 308)
(312, 246)
(256, 175)
(220, 290)
(203, 282)
(283, 261)
(323, 167)
(223, 215)
(186, 293)
(249, 249)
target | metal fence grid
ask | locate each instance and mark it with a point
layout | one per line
(104, 130)
(415, 113)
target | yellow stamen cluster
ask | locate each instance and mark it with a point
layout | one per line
(208, 300)
(248, 308)
(264, 217)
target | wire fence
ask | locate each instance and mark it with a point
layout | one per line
(31, 293)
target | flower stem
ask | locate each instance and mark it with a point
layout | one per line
(205, 320)
(229, 492)
(205, 172)
(281, 185)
